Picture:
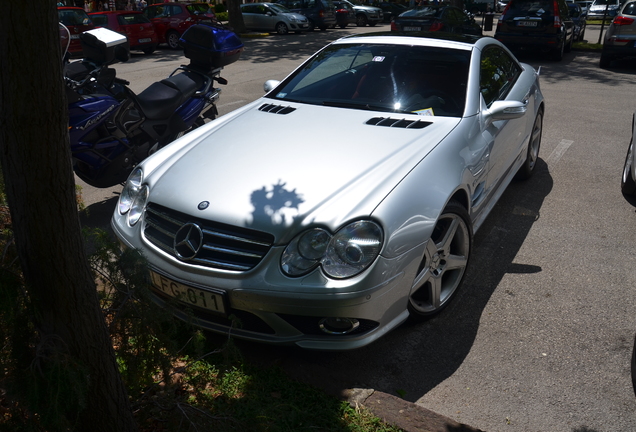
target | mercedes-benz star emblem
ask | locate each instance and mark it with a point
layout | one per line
(203, 205)
(188, 241)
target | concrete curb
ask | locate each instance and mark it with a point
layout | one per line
(253, 35)
(405, 415)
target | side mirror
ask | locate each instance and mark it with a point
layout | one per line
(504, 110)
(270, 85)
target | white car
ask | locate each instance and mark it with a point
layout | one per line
(344, 201)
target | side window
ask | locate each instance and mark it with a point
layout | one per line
(497, 75)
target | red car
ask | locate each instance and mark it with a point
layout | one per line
(172, 19)
(138, 29)
(76, 21)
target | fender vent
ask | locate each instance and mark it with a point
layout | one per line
(400, 123)
(276, 109)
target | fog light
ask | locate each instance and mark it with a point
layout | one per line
(338, 325)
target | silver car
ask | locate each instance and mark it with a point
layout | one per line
(331, 241)
(273, 17)
(620, 38)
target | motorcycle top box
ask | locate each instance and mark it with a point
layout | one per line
(211, 46)
(103, 46)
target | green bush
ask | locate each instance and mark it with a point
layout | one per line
(219, 8)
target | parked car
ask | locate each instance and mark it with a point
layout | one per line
(436, 18)
(245, 233)
(537, 25)
(320, 13)
(628, 180)
(138, 29)
(585, 5)
(620, 37)
(76, 21)
(345, 14)
(172, 19)
(273, 17)
(366, 14)
(579, 20)
(391, 10)
(600, 8)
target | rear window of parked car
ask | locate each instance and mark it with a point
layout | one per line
(630, 9)
(541, 8)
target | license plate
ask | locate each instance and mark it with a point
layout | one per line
(188, 295)
(527, 23)
(412, 28)
(74, 36)
(145, 40)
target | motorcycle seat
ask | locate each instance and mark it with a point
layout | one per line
(161, 99)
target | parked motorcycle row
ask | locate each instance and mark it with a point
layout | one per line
(111, 128)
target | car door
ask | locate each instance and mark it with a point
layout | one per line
(499, 74)
(249, 12)
(266, 17)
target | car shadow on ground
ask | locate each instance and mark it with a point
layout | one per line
(416, 357)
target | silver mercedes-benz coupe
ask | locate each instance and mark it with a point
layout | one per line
(331, 241)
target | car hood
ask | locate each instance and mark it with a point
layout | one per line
(296, 16)
(312, 166)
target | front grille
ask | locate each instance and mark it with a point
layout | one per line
(224, 246)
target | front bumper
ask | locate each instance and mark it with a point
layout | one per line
(290, 313)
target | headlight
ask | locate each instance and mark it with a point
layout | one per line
(350, 251)
(133, 197)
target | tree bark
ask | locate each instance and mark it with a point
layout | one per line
(235, 16)
(40, 187)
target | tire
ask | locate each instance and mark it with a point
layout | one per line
(532, 155)
(557, 54)
(172, 39)
(312, 26)
(605, 61)
(372, 24)
(148, 51)
(361, 20)
(444, 263)
(568, 46)
(628, 185)
(582, 35)
(281, 28)
(343, 26)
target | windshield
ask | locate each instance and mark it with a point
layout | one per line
(74, 17)
(391, 78)
(198, 8)
(279, 8)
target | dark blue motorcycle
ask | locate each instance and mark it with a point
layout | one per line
(112, 129)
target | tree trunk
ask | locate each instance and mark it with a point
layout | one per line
(40, 187)
(235, 16)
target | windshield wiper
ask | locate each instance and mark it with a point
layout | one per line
(362, 106)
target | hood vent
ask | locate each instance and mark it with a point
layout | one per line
(276, 109)
(400, 123)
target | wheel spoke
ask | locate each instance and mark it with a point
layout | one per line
(455, 262)
(445, 244)
(436, 291)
